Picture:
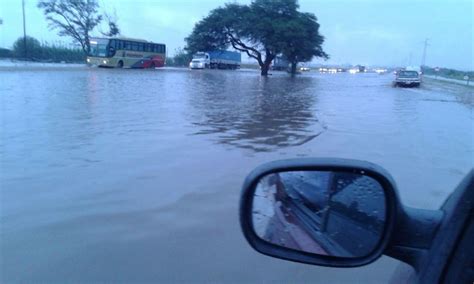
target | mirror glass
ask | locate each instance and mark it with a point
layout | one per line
(339, 214)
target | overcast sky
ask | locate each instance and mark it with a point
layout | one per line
(369, 32)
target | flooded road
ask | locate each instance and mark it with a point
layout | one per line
(134, 175)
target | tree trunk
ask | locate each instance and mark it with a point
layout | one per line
(293, 67)
(265, 66)
(264, 69)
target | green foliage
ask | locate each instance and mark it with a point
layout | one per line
(180, 59)
(72, 18)
(263, 30)
(5, 53)
(302, 40)
(44, 52)
(448, 73)
(33, 47)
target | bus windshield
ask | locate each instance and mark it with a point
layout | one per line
(98, 47)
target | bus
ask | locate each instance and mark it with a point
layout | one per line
(126, 53)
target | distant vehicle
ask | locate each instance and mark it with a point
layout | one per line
(126, 53)
(304, 69)
(357, 69)
(218, 59)
(331, 70)
(280, 64)
(380, 70)
(361, 68)
(407, 78)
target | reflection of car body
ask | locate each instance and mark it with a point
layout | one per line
(407, 78)
(321, 204)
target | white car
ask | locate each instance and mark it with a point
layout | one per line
(197, 64)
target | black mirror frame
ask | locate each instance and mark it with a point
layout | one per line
(393, 208)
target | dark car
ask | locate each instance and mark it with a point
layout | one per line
(407, 78)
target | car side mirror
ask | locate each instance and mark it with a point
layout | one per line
(328, 212)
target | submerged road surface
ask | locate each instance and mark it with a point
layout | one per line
(134, 175)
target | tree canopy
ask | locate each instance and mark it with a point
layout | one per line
(33, 46)
(76, 19)
(262, 30)
(303, 41)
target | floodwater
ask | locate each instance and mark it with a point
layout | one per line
(134, 175)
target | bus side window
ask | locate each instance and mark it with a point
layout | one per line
(119, 44)
(111, 51)
(128, 45)
(141, 47)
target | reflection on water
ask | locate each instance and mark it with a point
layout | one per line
(261, 114)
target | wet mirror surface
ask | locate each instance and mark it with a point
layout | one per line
(337, 214)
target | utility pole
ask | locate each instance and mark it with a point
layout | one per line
(423, 59)
(1, 23)
(24, 29)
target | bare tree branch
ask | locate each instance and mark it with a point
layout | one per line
(73, 18)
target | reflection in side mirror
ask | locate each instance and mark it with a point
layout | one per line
(340, 214)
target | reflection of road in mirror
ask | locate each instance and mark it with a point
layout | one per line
(337, 214)
(255, 113)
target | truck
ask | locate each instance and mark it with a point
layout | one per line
(217, 59)
(280, 64)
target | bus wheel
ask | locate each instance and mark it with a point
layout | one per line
(120, 64)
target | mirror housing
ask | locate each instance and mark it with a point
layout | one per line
(392, 208)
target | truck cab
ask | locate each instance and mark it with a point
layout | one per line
(201, 60)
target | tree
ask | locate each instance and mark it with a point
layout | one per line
(32, 45)
(73, 18)
(112, 25)
(181, 57)
(261, 30)
(303, 41)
